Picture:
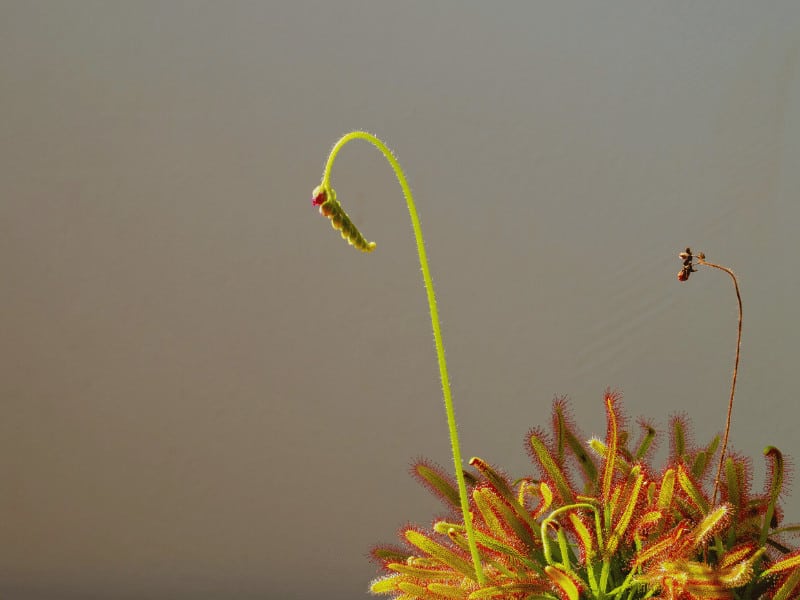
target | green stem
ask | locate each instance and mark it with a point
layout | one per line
(548, 556)
(437, 334)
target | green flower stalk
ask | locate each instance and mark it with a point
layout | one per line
(324, 196)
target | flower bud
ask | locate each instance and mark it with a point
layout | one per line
(318, 196)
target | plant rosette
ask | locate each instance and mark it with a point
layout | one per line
(597, 519)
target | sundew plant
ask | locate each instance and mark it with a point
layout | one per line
(596, 519)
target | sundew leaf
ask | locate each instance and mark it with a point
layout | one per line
(437, 482)
(505, 492)
(791, 562)
(492, 476)
(412, 589)
(699, 464)
(740, 573)
(733, 482)
(386, 554)
(480, 496)
(776, 475)
(547, 498)
(385, 585)
(712, 446)
(510, 517)
(488, 542)
(446, 556)
(622, 466)
(423, 573)
(534, 591)
(448, 591)
(551, 468)
(788, 587)
(611, 443)
(691, 490)
(666, 490)
(567, 440)
(584, 536)
(585, 461)
(679, 438)
(735, 555)
(647, 440)
(661, 547)
(710, 524)
(625, 519)
(563, 582)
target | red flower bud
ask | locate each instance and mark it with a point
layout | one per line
(319, 197)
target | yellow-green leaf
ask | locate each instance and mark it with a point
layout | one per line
(563, 582)
(441, 553)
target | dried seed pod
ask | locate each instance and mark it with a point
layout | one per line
(688, 264)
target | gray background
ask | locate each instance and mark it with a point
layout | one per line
(206, 394)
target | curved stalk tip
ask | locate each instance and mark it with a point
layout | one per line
(325, 197)
(683, 275)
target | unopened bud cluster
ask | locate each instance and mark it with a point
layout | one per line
(330, 207)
